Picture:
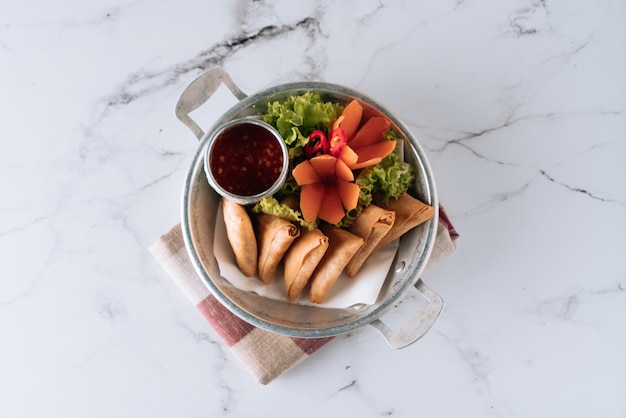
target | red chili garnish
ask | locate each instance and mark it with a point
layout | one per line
(337, 141)
(317, 145)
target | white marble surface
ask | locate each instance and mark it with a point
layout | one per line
(519, 103)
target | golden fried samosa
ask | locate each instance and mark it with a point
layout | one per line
(274, 237)
(410, 212)
(371, 225)
(342, 245)
(301, 260)
(241, 236)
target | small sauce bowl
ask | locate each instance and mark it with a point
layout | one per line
(246, 160)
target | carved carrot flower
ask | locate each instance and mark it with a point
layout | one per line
(328, 188)
(326, 176)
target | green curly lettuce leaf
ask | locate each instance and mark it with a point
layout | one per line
(271, 206)
(298, 116)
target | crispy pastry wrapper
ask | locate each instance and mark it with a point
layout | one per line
(301, 260)
(274, 237)
(342, 245)
(372, 225)
(240, 233)
(410, 212)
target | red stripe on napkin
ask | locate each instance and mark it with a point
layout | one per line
(311, 345)
(230, 327)
(443, 218)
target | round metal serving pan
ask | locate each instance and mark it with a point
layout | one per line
(199, 210)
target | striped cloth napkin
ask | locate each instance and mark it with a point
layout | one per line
(251, 345)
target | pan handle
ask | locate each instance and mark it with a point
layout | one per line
(199, 91)
(418, 324)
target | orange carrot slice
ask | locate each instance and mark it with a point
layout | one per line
(363, 164)
(304, 173)
(370, 133)
(311, 198)
(348, 155)
(343, 172)
(351, 118)
(348, 193)
(379, 150)
(337, 123)
(331, 209)
(324, 165)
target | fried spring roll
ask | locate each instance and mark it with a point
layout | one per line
(371, 225)
(301, 260)
(241, 236)
(342, 245)
(410, 212)
(274, 237)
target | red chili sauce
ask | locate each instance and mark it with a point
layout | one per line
(246, 159)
